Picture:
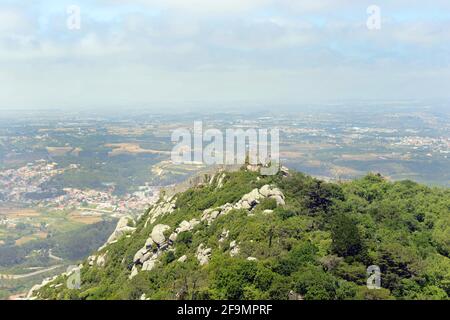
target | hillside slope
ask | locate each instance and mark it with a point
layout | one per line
(241, 235)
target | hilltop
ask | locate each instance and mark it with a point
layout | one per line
(241, 235)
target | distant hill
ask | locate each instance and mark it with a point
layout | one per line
(241, 235)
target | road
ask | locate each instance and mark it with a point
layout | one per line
(27, 275)
(51, 256)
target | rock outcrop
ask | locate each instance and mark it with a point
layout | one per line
(224, 235)
(33, 294)
(157, 234)
(148, 255)
(247, 202)
(234, 248)
(121, 229)
(160, 240)
(99, 260)
(157, 243)
(37, 287)
(203, 254)
(163, 207)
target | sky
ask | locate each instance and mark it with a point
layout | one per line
(217, 52)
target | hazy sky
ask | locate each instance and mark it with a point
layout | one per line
(131, 53)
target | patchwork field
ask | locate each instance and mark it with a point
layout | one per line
(59, 151)
(84, 219)
(128, 131)
(22, 225)
(169, 168)
(131, 148)
(14, 213)
(35, 236)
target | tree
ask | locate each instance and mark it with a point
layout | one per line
(299, 256)
(321, 196)
(315, 284)
(368, 294)
(345, 236)
(231, 279)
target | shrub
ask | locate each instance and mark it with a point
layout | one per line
(185, 237)
(345, 235)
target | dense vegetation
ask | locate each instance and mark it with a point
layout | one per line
(318, 245)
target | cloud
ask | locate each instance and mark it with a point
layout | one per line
(152, 50)
(13, 21)
(200, 6)
(423, 34)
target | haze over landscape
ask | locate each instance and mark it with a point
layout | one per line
(92, 92)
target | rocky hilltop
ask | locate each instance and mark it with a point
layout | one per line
(241, 235)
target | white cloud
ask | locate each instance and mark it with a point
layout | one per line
(423, 34)
(207, 50)
(12, 21)
(201, 6)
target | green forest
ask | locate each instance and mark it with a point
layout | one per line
(318, 245)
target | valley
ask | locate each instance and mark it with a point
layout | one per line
(68, 178)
